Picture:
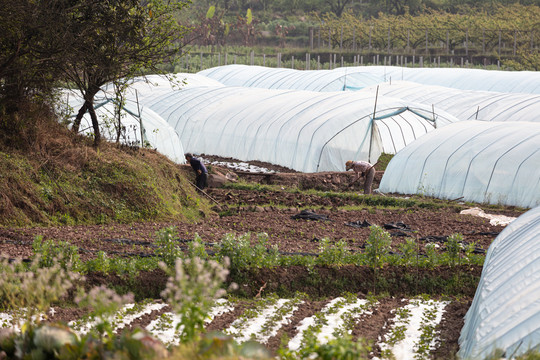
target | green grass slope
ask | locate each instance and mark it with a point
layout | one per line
(51, 176)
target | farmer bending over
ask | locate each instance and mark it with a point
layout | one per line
(362, 168)
(201, 174)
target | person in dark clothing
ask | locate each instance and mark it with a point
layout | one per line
(201, 174)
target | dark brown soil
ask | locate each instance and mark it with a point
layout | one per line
(254, 213)
(224, 321)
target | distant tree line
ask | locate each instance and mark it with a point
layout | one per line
(517, 26)
(503, 32)
(365, 8)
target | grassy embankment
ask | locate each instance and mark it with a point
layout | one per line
(53, 177)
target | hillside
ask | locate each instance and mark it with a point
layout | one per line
(53, 177)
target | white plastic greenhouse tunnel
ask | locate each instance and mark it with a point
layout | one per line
(478, 161)
(339, 79)
(302, 130)
(505, 312)
(358, 77)
(158, 85)
(527, 82)
(466, 104)
(140, 126)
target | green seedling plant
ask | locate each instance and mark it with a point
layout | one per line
(432, 257)
(265, 255)
(101, 263)
(397, 333)
(350, 317)
(237, 249)
(253, 311)
(310, 340)
(428, 333)
(60, 252)
(377, 246)
(243, 255)
(469, 257)
(409, 251)
(332, 255)
(167, 246)
(453, 248)
(164, 323)
(280, 313)
(343, 347)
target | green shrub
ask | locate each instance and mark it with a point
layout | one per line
(243, 255)
(49, 253)
(332, 255)
(453, 248)
(377, 246)
(409, 251)
(167, 246)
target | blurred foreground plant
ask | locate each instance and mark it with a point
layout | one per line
(192, 288)
(29, 290)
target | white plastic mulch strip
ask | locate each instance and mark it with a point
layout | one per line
(221, 307)
(128, 317)
(332, 314)
(415, 329)
(124, 317)
(493, 219)
(7, 320)
(164, 327)
(262, 327)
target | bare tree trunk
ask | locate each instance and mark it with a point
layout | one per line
(87, 106)
(118, 110)
(95, 124)
(78, 118)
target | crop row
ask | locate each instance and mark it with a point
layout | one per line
(413, 332)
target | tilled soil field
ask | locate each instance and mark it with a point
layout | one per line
(272, 213)
(278, 213)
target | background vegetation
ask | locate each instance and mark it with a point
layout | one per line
(484, 33)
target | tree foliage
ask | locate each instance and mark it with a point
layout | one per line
(505, 25)
(118, 39)
(27, 52)
(211, 29)
(86, 44)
